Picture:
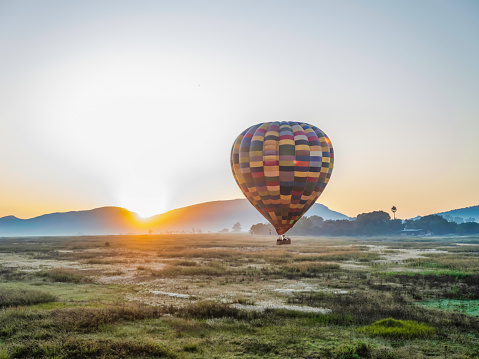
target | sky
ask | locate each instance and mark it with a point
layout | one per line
(137, 103)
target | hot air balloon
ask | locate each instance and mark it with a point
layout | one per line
(282, 168)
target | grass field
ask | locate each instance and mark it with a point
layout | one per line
(232, 296)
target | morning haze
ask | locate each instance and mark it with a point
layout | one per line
(123, 104)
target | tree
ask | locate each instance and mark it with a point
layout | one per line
(317, 221)
(395, 226)
(468, 228)
(260, 228)
(372, 223)
(393, 210)
(435, 224)
(307, 226)
(237, 227)
(340, 227)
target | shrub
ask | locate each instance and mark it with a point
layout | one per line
(91, 348)
(399, 329)
(356, 350)
(210, 309)
(175, 271)
(190, 347)
(311, 267)
(364, 308)
(184, 263)
(14, 297)
(66, 276)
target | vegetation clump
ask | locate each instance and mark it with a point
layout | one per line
(65, 276)
(209, 309)
(356, 350)
(311, 268)
(10, 297)
(399, 329)
(78, 348)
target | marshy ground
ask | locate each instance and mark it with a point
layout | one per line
(231, 296)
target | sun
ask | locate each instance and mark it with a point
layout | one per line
(144, 196)
(145, 213)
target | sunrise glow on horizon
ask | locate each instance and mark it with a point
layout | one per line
(137, 104)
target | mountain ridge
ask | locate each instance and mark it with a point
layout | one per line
(207, 216)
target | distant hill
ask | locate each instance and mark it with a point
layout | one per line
(214, 216)
(105, 220)
(466, 214)
(209, 216)
(460, 215)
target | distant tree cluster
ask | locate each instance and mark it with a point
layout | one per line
(237, 227)
(440, 225)
(261, 228)
(372, 224)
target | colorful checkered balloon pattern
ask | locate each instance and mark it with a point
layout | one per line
(282, 168)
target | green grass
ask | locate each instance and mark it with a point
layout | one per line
(22, 322)
(399, 329)
(98, 320)
(78, 348)
(364, 308)
(438, 273)
(469, 307)
(458, 262)
(359, 349)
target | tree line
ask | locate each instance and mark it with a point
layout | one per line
(370, 224)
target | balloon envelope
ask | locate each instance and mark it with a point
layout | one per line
(282, 168)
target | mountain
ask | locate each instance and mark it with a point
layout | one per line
(105, 220)
(213, 216)
(460, 215)
(467, 214)
(208, 216)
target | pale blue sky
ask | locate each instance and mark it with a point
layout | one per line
(94, 96)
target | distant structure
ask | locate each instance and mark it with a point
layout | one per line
(413, 232)
(393, 210)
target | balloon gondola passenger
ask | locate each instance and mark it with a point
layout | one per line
(282, 168)
(283, 240)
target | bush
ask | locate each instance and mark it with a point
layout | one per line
(310, 269)
(31, 324)
(15, 297)
(171, 271)
(356, 350)
(365, 308)
(91, 348)
(66, 276)
(190, 347)
(399, 329)
(209, 309)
